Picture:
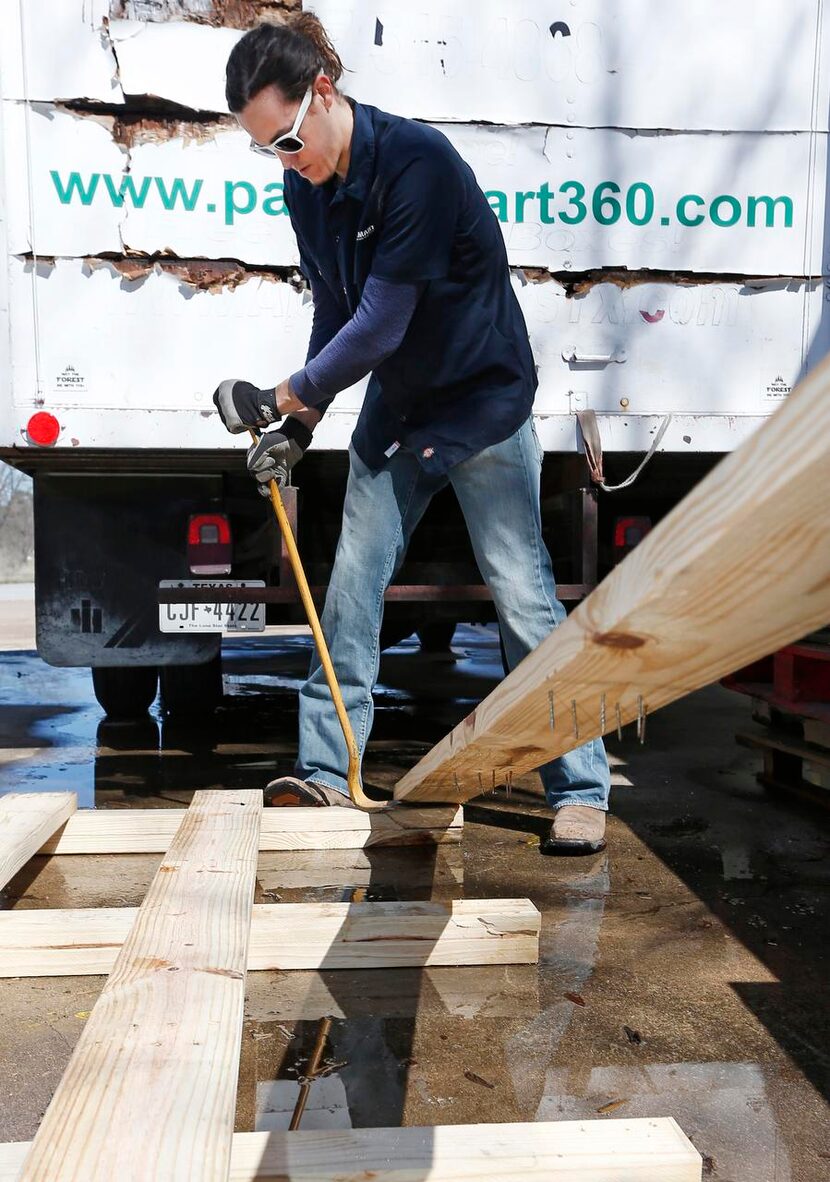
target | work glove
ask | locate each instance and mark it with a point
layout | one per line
(242, 405)
(277, 453)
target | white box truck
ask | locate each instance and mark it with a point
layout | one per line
(659, 173)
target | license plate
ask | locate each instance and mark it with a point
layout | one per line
(211, 617)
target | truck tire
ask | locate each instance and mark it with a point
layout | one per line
(125, 692)
(392, 632)
(191, 691)
(436, 637)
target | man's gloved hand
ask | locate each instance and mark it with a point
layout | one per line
(277, 453)
(242, 405)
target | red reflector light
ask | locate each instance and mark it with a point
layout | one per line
(628, 531)
(209, 549)
(209, 528)
(43, 429)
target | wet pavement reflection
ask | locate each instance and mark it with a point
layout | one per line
(682, 973)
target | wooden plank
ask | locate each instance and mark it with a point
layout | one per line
(80, 941)
(27, 819)
(150, 1089)
(150, 831)
(801, 789)
(739, 568)
(301, 869)
(789, 745)
(637, 1150)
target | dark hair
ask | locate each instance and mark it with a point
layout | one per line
(289, 56)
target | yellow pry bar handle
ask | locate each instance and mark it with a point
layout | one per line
(356, 792)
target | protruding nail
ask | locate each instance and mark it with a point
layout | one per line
(575, 720)
(641, 719)
(619, 721)
(551, 715)
(602, 714)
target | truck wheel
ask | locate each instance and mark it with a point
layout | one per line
(191, 691)
(392, 632)
(437, 636)
(125, 693)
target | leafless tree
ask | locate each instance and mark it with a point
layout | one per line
(12, 483)
(16, 539)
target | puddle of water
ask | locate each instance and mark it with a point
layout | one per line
(52, 735)
(327, 1106)
(722, 1107)
(486, 991)
(567, 954)
(736, 862)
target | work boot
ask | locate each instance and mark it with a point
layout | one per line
(576, 829)
(288, 790)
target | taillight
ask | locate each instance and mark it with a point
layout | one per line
(43, 429)
(209, 544)
(628, 532)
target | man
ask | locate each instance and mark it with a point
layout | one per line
(410, 281)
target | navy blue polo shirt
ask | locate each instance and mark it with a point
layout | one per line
(410, 210)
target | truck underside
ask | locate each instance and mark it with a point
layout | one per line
(109, 528)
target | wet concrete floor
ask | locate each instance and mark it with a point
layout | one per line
(682, 972)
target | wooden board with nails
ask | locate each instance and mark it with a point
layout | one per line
(738, 569)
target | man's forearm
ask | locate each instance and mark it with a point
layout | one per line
(373, 334)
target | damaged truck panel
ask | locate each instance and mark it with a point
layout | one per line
(749, 65)
(566, 199)
(61, 51)
(38, 140)
(596, 64)
(150, 60)
(100, 186)
(233, 14)
(578, 199)
(167, 345)
(715, 350)
(658, 348)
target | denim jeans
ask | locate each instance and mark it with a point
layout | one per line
(498, 491)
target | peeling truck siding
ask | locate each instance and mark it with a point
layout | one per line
(687, 235)
(721, 355)
(235, 14)
(566, 199)
(749, 65)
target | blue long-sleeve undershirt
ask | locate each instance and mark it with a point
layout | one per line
(373, 334)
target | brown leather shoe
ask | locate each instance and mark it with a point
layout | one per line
(291, 792)
(576, 829)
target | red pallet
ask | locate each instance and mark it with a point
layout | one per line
(794, 680)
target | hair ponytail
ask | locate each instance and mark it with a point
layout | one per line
(309, 25)
(289, 55)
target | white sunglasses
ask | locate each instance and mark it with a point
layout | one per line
(289, 144)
